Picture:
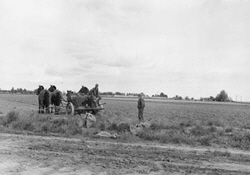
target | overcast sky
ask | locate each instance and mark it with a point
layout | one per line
(192, 48)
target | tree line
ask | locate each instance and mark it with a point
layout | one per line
(18, 91)
(222, 96)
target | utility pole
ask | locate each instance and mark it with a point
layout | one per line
(236, 98)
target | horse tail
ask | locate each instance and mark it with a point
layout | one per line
(46, 99)
(58, 98)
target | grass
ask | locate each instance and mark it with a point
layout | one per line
(182, 132)
(41, 123)
(206, 124)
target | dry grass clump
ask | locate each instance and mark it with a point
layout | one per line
(41, 123)
(240, 140)
(9, 118)
(184, 131)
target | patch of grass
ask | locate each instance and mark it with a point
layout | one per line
(222, 153)
(187, 123)
(123, 127)
(89, 132)
(11, 117)
(128, 137)
(41, 123)
(72, 128)
(215, 122)
(120, 128)
(228, 129)
(112, 127)
(205, 140)
(158, 126)
(102, 126)
(240, 140)
(176, 132)
(198, 131)
(165, 136)
(212, 129)
(46, 127)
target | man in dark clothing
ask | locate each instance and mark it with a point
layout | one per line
(140, 106)
(94, 93)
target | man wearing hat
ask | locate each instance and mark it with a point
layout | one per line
(94, 92)
(140, 106)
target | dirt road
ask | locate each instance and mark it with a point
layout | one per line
(24, 155)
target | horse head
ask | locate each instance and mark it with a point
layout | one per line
(40, 88)
(84, 90)
(52, 88)
(69, 94)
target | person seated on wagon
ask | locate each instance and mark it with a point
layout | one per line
(94, 93)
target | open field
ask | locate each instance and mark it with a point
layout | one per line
(168, 111)
(183, 138)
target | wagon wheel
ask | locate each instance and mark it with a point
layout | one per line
(70, 108)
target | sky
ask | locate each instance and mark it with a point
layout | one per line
(193, 48)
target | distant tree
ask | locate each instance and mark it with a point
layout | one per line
(119, 93)
(106, 93)
(35, 91)
(177, 97)
(211, 98)
(12, 90)
(163, 95)
(222, 96)
(187, 98)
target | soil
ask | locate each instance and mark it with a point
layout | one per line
(40, 155)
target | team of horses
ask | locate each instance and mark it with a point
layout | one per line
(52, 98)
(47, 98)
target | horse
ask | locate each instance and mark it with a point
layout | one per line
(43, 99)
(56, 98)
(91, 100)
(84, 90)
(78, 99)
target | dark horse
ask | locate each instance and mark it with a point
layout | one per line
(84, 90)
(78, 99)
(43, 99)
(56, 98)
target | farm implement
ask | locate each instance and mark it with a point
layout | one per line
(78, 103)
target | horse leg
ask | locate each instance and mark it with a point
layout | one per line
(42, 109)
(47, 110)
(57, 108)
(51, 108)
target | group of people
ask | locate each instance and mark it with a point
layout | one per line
(94, 92)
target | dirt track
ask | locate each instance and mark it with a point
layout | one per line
(22, 154)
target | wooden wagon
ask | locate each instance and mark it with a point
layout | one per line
(80, 103)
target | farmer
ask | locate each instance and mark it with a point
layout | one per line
(94, 93)
(140, 106)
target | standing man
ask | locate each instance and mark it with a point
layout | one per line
(140, 106)
(94, 93)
